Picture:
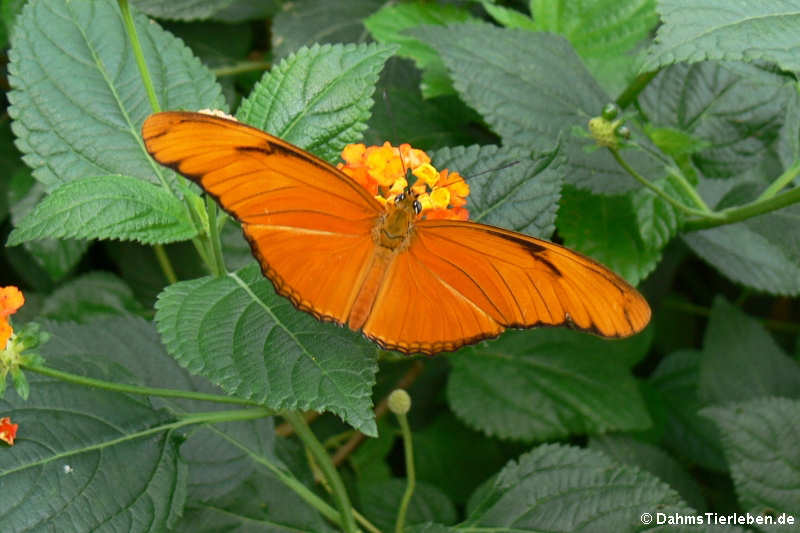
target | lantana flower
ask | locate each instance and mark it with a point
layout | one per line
(382, 171)
(8, 431)
(11, 299)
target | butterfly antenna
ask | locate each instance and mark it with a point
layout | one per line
(495, 169)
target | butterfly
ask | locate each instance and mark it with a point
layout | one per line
(415, 286)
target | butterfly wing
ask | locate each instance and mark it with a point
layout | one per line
(460, 282)
(309, 225)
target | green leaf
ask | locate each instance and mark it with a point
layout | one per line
(380, 501)
(78, 101)
(389, 26)
(606, 228)
(750, 258)
(107, 207)
(546, 94)
(736, 112)
(728, 370)
(247, 10)
(788, 145)
(181, 9)
(70, 433)
(239, 334)
(56, 258)
(685, 432)
(445, 446)
(508, 187)
(562, 488)
(92, 295)
(760, 441)
(744, 31)
(319, 98)
(306, 22)
(261, 504)
(510, 18)
(605, 33)
(628, 451)
(548, 384)
(402, 115)
(657, 219)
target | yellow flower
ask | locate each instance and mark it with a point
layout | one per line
(384, 172)
(11, 299)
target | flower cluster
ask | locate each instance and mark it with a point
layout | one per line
(8, 431)
(11, 299)
(382, 170)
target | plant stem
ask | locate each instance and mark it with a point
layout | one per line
(689, 190)
(735, 214)
(218, 263)
(164, 263)
(242, 66)
(137, 52)
(783, 180)
(411, 477)
(638, 177)
(135, 389)
(328, 470)
(637, 85)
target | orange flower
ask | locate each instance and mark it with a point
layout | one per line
(11, 299)
(8, 431)
(383, 171)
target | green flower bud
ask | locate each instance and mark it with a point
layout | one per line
(399, 402)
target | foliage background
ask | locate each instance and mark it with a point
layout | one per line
(539, 430)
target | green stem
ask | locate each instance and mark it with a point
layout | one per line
(164, 263)
(135, 389)
(735, 214)
(239, 68)
(139, 55)
(638, 177)
(783, 180)
(326, 465)
(637, 86)
(218, 263)
(411, 477)
(689, 190)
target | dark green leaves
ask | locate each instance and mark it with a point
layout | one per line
(548, 384)
(107, 207)
(254, 344)
(78, 100)
(318, 98)
(734, 31)
(561, 488)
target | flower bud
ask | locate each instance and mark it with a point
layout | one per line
(399, 402)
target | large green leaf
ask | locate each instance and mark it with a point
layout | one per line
(107, 207)
(239, 334)
(730, 372)
(606, 228)
(751, 258)
(685, 432)
(261, 505)
(78, 100)
(181, 9)
(91, 295)
(559, 488)
(88, 459)
(389, 25)
(508, 187)
(532, 88)
(306, 22)
(628, 451)
(734, 111)
(548, 384)
(760, 440)
(318, 98)
(737, 31)
(604, 32)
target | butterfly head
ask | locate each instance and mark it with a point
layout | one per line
(407, 201)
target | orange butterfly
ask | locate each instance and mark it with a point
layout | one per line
(409, 285)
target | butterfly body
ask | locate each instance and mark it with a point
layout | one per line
(408, 284)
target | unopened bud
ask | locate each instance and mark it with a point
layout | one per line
(399, 402)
